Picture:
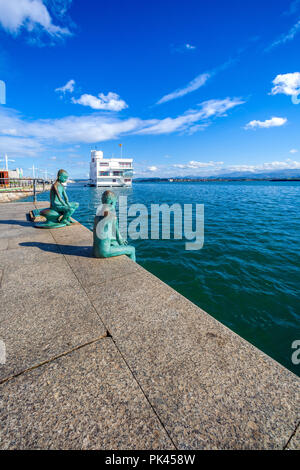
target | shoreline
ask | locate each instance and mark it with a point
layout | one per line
(10, 196)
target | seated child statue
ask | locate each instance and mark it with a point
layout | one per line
(59, 201)
(107, 238)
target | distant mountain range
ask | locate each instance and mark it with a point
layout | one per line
(262, 174)
(277, 174)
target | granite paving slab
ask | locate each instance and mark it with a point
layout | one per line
(35, 239)
(41, 325)
(15, 221)
(87, 399)
(16, 207)
(41, 204)
(211, 388)
(12, 231)
(76, 243)
(74, 232)
(14, 215)
(29, 255)
(94, 272)
(138, 296)
(27, 279)
(3, 243)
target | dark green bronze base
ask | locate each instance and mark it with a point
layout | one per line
(50, 225)
(52, 218)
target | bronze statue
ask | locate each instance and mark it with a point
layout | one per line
(108, 241)
(59, 200)
(61, 210)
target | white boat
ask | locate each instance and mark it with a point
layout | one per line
(110, 172)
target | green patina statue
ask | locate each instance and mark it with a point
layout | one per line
(61, 210)
(107, 238)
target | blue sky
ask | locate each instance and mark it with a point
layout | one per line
(189, 88)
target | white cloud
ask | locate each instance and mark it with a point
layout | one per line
(197, 82)
(189, 46)
(273, 122)
(193, 85)
(216, 168)
(184, 122)
(289, 36)
(30, 15)
(19, 146)
(194, 165)
(276, 165)
(152, 168)
(293, 151)
(70, 129)
(30, 136)
(68, 87)
(109, 102)
(287, 84)
(182, 48)
(9, 131)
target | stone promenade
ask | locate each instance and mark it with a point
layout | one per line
(100, 354)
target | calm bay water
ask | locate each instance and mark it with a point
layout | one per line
(247, 275)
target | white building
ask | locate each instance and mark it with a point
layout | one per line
(11, 174)
(110, 171)
(17, 173)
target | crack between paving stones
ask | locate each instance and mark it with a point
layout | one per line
(291, 437)
(110, 336)
(40, 364)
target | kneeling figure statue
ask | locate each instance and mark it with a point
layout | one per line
(61, 210)
(108, 241)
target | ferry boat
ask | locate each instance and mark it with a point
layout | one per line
(110, 172)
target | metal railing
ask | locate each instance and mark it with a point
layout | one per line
(30, 185)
